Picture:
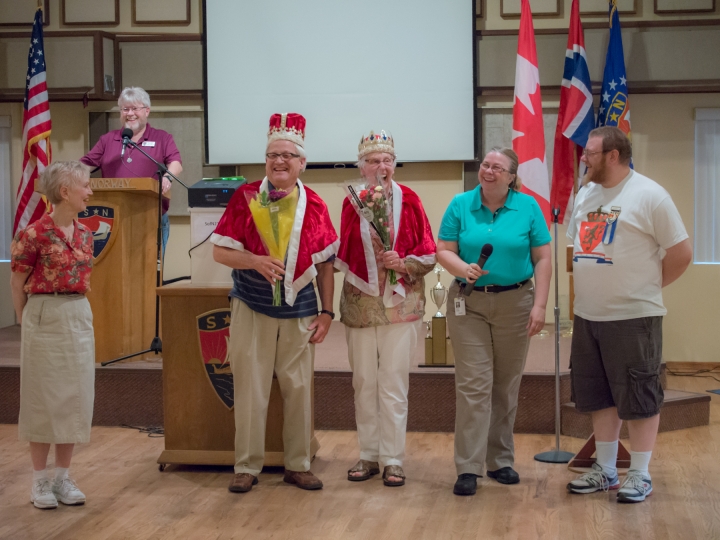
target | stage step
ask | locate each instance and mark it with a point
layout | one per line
(679, 411)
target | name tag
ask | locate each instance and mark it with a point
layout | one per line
(459, 306)
(148, 143)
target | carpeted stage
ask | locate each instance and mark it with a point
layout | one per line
(131, 392)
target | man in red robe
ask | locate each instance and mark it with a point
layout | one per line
(266, 338)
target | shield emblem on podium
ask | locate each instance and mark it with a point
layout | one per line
(100, 219)
(213, 335)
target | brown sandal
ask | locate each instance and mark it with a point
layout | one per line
(368, 468)
(393, 470)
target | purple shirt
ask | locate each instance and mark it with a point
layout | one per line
(155, 142)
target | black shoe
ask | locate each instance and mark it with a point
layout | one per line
(466, 484)
(506, 475)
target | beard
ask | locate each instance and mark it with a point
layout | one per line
(597, 174)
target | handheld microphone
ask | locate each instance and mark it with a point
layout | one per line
(126, 136)
(485, 253)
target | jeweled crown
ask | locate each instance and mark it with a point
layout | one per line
(380, 142)
(287, 127)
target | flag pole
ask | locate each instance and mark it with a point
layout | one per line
(557, 455)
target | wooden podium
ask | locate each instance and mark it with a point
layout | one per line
(123, 213)
(199, 423)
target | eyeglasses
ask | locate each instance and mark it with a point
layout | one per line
(495, 169)
(286, 156)
(385, 161)
(133, 110)
(588, 154)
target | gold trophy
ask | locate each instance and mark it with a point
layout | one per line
(436, 346)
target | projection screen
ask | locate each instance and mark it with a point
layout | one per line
(404, 66)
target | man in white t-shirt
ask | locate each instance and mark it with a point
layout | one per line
(629, 243)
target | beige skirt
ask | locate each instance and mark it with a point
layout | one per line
(57, 369)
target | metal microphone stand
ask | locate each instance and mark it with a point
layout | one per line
(162, 170)
(557, 455)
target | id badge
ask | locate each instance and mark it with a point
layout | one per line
(459, 306)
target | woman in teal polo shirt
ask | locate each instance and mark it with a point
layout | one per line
(490, 330)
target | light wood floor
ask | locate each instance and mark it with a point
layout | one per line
(129, 498)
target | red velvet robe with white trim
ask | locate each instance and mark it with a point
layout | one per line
(413, 239)
(313, 239)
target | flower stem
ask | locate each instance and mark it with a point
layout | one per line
(277, 293)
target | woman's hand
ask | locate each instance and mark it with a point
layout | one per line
(536, 321)
(392, 261)
(473, 272)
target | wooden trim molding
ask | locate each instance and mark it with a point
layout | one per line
(678, 11)
(65, 22)
(146, 38)
(690, 86)
(479, 9)
(46, 18)
(605, 12)
(539, 14)
(170, 22)
(602, 25)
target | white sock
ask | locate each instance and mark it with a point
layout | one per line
(639, 461)
(39, 475)
(606, 456)
(60, 474)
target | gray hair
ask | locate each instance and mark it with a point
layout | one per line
(301, 152)
(59, 174)
(134, 94)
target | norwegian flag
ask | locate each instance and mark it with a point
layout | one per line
(575, 118)
(528, 131)
(36, 132)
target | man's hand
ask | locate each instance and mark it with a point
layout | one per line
(166, 185)
(272, 269)
(321, 325)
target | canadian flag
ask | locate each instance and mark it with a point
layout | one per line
(528, 138)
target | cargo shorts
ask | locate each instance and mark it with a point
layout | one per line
(617, 364)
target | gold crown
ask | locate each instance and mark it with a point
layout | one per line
(381, 142)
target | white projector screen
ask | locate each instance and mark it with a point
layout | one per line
(404, 66)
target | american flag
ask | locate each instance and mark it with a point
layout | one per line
(36, 132)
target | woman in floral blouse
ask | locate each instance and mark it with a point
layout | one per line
(51, 261)
(383, 319)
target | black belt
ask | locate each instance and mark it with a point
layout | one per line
(496, 288)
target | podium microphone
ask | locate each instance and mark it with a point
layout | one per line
(485, 253)
(126, 136)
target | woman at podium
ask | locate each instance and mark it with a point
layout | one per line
(491, 324)
(108, 154)
(51, 261)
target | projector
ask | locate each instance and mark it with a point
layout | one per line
(213, 192)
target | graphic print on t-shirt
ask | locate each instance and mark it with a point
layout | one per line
(595, 233)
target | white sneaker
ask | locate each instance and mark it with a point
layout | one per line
(67, 492)
(635, 488)
(42, 495)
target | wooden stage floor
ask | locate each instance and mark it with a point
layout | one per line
(129, 498)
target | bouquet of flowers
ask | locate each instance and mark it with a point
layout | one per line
(371, 203)
(273, 213)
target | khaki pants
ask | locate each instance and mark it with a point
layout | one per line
(490, 344)
(258, 346)
(380, 358)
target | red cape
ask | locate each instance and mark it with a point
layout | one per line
(313, 239)
(413, 239)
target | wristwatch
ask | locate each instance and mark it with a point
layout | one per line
(328, 312)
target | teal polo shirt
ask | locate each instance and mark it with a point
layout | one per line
(512, 230)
